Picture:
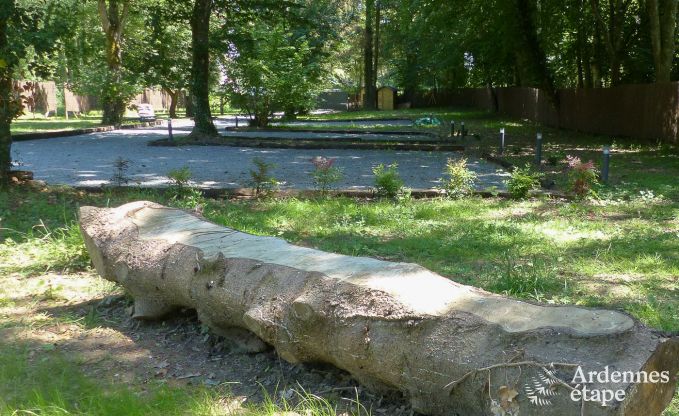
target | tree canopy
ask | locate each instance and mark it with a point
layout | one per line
(276, 55)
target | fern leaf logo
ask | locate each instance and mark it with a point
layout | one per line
(540, 388)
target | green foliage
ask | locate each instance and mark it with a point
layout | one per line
(325, 175)
(388, 182)
(530, 278)
(554, 158)
(262, 180)
(459, 180)
(181, 192)
(272, 71)
(180, 178)
(522, 181)
(582, 177)
(44, 249)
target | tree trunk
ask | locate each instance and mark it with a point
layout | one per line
(376, 53)
(613, 34)
(6, 99)
(531, 53)
(662, 16)
(113, 21)
(188, 102)
(174, 96)
(449, 348)
(370, 94)
(200, 71)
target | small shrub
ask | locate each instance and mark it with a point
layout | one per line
(180, 178)
(522, 181)
(582, 177)
(387, 180)
(325, 175)
(182, 193)
(261, 179)
(459, 180)
(120, 168)
(555, 158)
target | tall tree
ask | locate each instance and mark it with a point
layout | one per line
(370, 94)
(531, 56)
(22, 29)
(166, 57)
(7, 104)
(200, 70)
(612, 29)
(662, 16)
(113, 19)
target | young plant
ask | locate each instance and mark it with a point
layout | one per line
(522, 181)
(261, 179)
(582, 177)
(180, 178)
(459, 180)
(555, 158)
(120, 168)
(387, 180)
(181, 192)
(325, 175)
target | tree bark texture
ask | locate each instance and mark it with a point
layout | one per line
(6, 99)
(662, 16)
(370, 94)
(113, 19)
(200, 70)
(451, 349)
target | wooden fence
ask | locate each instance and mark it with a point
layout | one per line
(648, 111)
(42, 98)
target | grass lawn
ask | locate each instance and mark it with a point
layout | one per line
(25, 124)
(38, 123)
(620, 250)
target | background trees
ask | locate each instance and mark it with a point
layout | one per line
(275, 55)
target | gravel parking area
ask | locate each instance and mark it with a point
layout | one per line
(87, 160)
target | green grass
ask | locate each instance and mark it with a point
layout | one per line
(28, 125)
(39, 123)
(602, 253)
(48, 383)
(444, 113)
(38, 379)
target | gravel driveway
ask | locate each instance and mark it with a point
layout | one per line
(88, 159)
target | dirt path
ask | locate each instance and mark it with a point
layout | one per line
(93, 329)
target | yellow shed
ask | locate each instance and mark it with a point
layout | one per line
(386, 98)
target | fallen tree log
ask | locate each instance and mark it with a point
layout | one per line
(451, 349)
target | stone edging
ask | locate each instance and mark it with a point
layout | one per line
(321, 144)
(249, 193)
(76, 132)
(332, 131)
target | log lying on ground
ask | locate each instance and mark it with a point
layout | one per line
(451, 349)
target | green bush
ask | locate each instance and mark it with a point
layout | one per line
(522, 181)
(182, 193)
(325, 174)
(459, 180)
(555, 158)
(387, 180)
(180, 178)
(261, 179)
(582, 177)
